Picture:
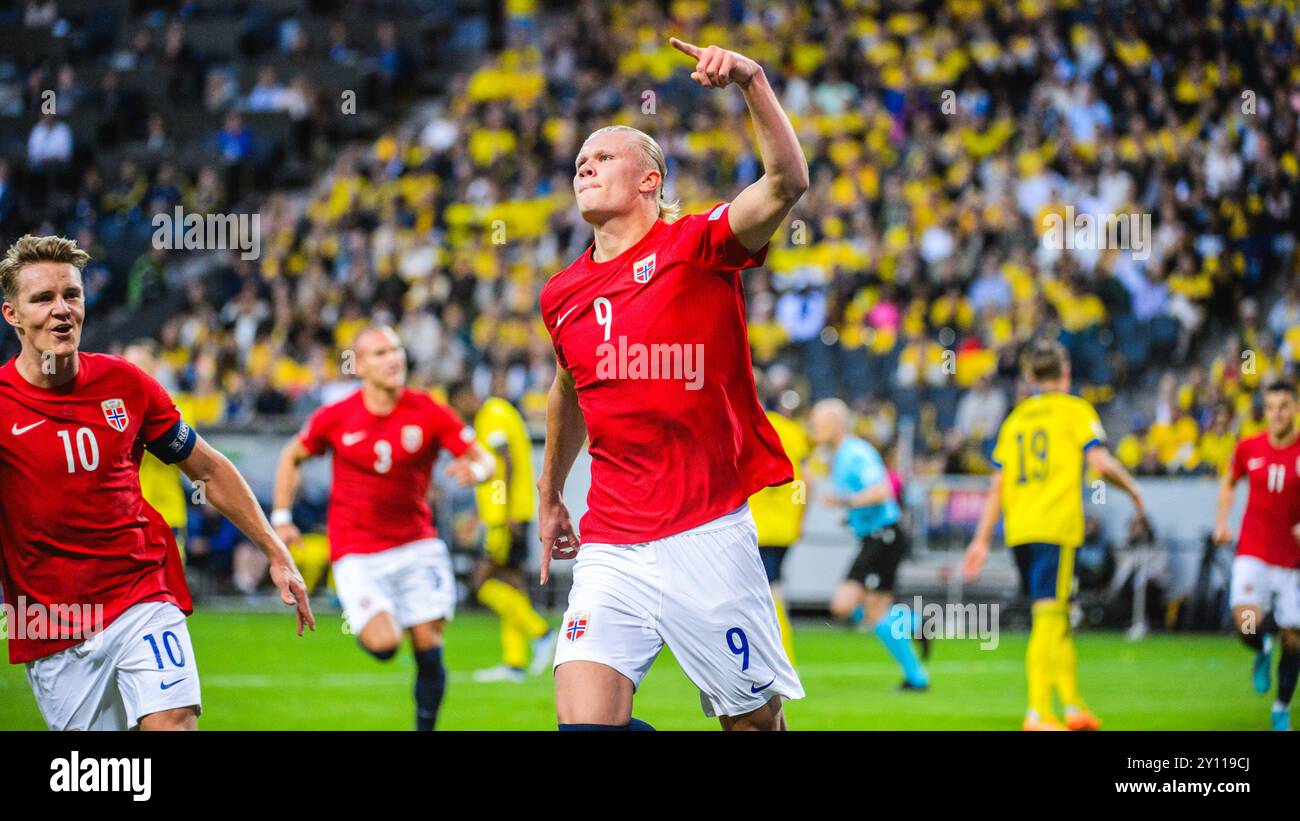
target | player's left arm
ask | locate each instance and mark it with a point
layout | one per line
(758, 211)
(1104, 462)
(473, 467)
(231, 495)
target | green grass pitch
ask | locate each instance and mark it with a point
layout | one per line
(257, 675)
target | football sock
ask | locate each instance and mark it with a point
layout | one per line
(634, 725)
(513, 605)
(1066, 663)
(382, 655)
(1038, 657)
(514, 645)
(787, 634)
(898, 643)
(1288, 668)
(430, 684)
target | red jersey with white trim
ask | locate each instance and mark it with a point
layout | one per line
(1273, 508)
(382, 466)
(75, 531)
(656, 342)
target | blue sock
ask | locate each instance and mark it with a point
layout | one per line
(634, 725)
(382, 655)
(430, 684)
(1288, 670)
(898, 647)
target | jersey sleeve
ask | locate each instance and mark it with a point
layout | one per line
(871, 468)
(449, 432)
(713, 244)
(999, 455)
(1091, 432)
(316, 431)
(1237, 466)
(163, 430)
(548, 320)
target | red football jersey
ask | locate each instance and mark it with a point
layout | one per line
(657, 345)
(382, 466)
(74, 529)
(1273, 508)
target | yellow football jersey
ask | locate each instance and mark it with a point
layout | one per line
(1040, 452)
(160, 484)
(778, 511)
(500, 427)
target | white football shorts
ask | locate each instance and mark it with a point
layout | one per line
(140, 664)
(704, 593)
(1266, 586)
(413, 581)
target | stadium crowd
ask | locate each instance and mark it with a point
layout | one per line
(942, 135)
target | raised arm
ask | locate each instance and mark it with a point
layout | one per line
(231, 495)
(566, 430)
(758, 211)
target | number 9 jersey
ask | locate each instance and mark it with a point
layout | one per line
(1040, 452)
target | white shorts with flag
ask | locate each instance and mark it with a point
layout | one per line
(704, 593)
(140, 664)
(413, 581)
(1258, 583)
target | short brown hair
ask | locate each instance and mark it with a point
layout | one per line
(1046, 360)
(30, 250)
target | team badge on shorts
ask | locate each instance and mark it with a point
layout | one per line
(576, 627)
(412, 438)
(643, 269)
(115, 413)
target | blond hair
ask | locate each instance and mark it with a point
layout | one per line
(30, 250)
(1046, 360)
(654, 158)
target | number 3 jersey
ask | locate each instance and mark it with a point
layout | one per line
(382, 466)
(1273, 508)
(75, 532)
(656, 342)
(1040, 452)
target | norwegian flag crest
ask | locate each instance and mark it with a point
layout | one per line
(643, 269)
(576, 627)
(115, 413)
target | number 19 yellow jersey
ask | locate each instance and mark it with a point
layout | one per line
(1040, 451)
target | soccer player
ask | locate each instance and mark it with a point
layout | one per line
(506, 503)
(861, 485)
(654, 368)
(392, 572)
(1039, 458)
(95, 569)
(1265, 593)
(778, 517)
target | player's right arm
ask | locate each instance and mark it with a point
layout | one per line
(566, 430)
(1227, 496)
(288, 476)
(977, 552)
